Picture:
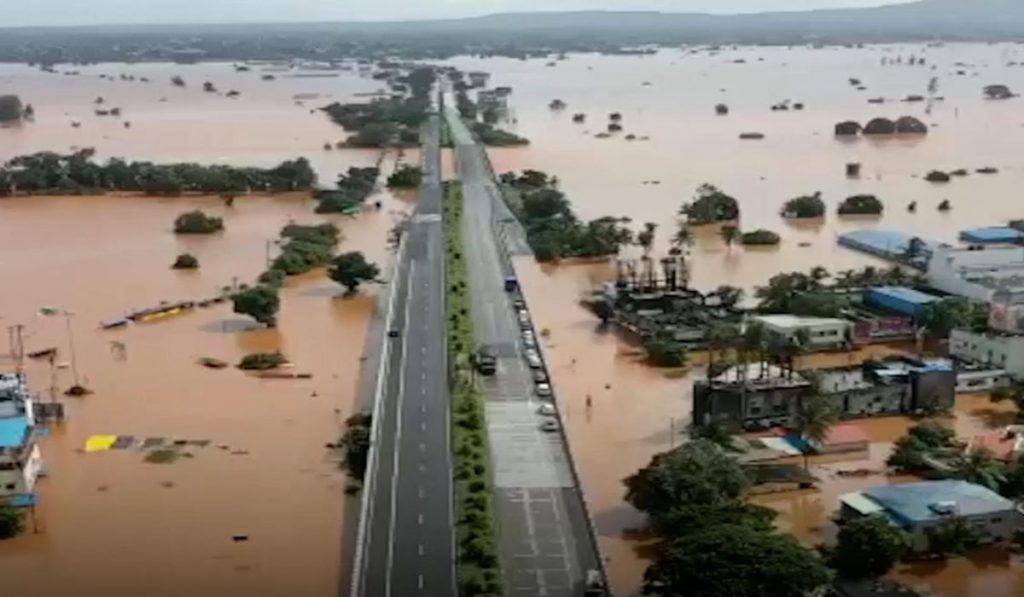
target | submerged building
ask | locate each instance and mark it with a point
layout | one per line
(921, 508)
(760, 396)
(20, 460)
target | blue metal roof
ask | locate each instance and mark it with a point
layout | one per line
(911, 502)
(991, 234)
(908, 295)
(13, 431)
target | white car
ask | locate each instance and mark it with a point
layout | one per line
(529, 339)
(544, 390)
(550, 426)
(547, 410)
(533, 359)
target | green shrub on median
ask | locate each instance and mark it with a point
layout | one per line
(479, 570)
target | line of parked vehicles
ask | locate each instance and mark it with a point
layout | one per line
(485, 360)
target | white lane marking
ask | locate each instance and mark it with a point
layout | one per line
(421, 549)
(378, 418)
(398, 443)
(421, 519)
(420, 581)
(421, 492)
(423, 447)
(423, 426)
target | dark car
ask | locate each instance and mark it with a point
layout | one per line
(393, 334)
(540, 376)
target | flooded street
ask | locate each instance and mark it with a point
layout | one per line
(110, 523)
(637, 411)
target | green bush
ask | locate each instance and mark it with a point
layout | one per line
(12, 522)
(197, 222)
(185, 261)
(805, 206)
(760, 237)
(262, 361)
(861, 205)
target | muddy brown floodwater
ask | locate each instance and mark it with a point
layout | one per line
(637, 411)
(110, 523)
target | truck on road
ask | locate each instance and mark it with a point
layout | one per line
(485, 360)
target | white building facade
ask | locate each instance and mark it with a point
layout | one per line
(977, 272)
(999, 351)
(824, 333)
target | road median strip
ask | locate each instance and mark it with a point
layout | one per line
(478, 568)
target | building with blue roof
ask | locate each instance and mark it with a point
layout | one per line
(919, 508)
(891, 245)
(899, 299)
(991, 235)
(20, 459)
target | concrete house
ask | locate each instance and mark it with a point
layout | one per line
(921, 507)
(977, 272)
(824, 333)
(20, 459)
(761, 396)
(1000, 351)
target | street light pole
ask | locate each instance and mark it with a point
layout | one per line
(71, 346)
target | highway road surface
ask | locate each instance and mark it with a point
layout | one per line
(545, 540)
(405, 543)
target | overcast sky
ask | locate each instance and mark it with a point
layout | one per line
(91, 12)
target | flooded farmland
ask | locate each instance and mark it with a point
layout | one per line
(117, 525)
(636, 411)
(259, 510)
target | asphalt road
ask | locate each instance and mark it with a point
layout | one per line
(545, 542)
(407, 546)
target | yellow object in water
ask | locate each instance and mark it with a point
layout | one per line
(99, 443)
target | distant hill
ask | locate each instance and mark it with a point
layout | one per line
(519, 34)
(956, 19)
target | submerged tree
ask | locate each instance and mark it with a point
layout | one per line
(349, 269)
(737, 561)
(259, 302)
(868, 547)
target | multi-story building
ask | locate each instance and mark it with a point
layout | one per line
(20, 459)
(995, 350)
(977, 272)
(760, 396)
(823, 333)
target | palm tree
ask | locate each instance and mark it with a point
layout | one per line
(645, 238)
(819, 274)
(755, 338)
(846, 279)
(979, 467)
(720, 336)
(730, 234)
(813, 420)
(683, 238)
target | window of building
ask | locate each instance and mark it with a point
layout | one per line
(995, 520)
(10, 487)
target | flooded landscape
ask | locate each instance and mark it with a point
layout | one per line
(636, 411)
(120, 526)
(110, 521)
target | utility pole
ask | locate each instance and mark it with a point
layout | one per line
(17, 344)
(71, 347)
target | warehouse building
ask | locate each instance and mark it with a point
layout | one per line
(919, 508)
